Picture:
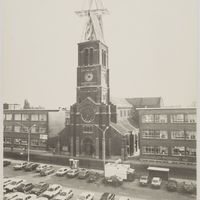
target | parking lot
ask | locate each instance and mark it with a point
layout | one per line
(130, 189)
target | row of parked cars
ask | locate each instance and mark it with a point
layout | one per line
(45, 169)
(19, 189)
(171, 185)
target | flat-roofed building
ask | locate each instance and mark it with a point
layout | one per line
(168, 133)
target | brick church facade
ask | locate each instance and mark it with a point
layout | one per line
(93, 118)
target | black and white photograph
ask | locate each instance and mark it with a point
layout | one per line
(100, 100)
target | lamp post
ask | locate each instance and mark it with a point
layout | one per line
(103, 144)
(29, 138)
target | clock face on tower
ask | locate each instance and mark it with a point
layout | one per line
(87, 114)
(88, 76)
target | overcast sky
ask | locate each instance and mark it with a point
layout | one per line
(152, 50)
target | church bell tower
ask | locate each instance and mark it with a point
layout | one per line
(91, 114)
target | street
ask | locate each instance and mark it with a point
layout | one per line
(130, 189)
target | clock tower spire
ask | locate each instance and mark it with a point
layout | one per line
(92, 110)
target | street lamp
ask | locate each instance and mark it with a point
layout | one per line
(29, 137)
(103, 144)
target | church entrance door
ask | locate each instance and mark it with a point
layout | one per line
(88, 147)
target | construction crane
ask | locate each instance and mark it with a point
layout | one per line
(94, 25)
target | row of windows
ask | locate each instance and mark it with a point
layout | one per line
(125, 113)
(175, 151)
(19, 129)
(88, 57)
(162, 118)
(26, 117)
(161, 134)
(33, 142)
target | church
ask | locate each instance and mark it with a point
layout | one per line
(99, 127)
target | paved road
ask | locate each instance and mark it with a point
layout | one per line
(132, 189)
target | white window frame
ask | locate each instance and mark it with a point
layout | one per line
(175, 135)
(9, 117)
(190, 135)
(190, 118)
(178, 154)
(148, 118)
(17, 117)
(34, 117)
(43, 117)
(177, 118)
(17, 129)
(160, 118)
(25, 117)
(191, 152)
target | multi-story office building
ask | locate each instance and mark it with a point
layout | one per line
(41, 123)
(168, 133)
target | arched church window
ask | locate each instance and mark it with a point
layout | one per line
(91, 60)
(86, 52)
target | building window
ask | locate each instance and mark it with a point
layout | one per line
(34, 129)
(156, 150)
(86, 57)
(34, 142)
(190, 135)
(24, 142)
(25, 117)
(17, 141)
(8, 116)
(190, 118)
(8, 128)
(42, 130)
(43, 117)
(34, 117)
(88, 129)
(178, 151)
(43, 143)
(150, 134)
(147, 118)
(160, 118)
(18, 117)
(17, 129)
(178, 135)
(178, 118)
(7, 140)
(124, 113)
(121, 113)
(91, 61)
(190, 151)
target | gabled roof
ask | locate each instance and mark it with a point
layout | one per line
(120, 102)
(145, 102)
(123, 127)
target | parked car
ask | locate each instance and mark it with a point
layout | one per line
(20, 196)
(107, 196)
(72, 173)
(144, 180)
(6, 163)
(13, 184)
(84, 173)
(31, 197)
(12, 195)
(20, 166)
(30, 166)
(6, 181)
(24, 187)
(46, 171)
(62, 171)
(39, 188)
(52, 191)
(172, 185)
(113, 180)
(94, 176)
(40, 167)
(86, 196)
(189, 187)
(156, 182)
(65, 194)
